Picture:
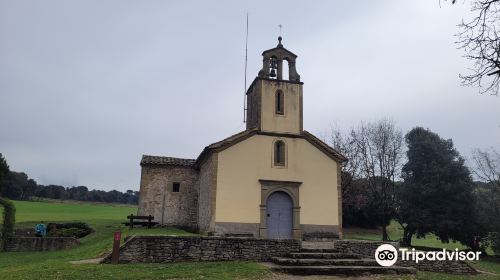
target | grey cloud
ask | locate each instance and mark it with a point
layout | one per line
(87, 87)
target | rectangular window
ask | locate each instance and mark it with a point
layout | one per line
(176, 187)
(279, 103)
(279, 153)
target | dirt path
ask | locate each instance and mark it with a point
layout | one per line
(92, 261)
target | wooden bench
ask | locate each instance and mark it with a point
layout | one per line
(147, 223)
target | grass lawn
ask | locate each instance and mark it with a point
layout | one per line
(430, 241)
(105, 219)
(395, 233)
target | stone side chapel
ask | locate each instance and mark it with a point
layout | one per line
(272, 180)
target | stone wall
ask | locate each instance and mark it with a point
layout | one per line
(235, 229)
(207, 188)
(164, 249)
(320, 236)
(362, 247)
(368, 248)
(168, 207)
(22, 244)
(253, 106)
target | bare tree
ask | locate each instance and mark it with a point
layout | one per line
(480, 40)
(487, 169)
(379, 147)
(344, 143)
(487, 166)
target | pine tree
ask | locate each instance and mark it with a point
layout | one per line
(437, 193)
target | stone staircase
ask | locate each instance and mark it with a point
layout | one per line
(330, 261)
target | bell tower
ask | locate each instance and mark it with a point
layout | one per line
(275, 96)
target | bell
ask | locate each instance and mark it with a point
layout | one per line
(273, 73)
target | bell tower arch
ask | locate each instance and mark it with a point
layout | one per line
(272, 63)
(275, 97)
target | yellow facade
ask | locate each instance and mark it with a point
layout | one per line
(291, 120)
(237, 178)
(242, 165)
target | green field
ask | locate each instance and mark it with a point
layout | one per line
(59, 211)
(106, 219)
(396, 232)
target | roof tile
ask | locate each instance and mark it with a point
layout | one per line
(158, 160)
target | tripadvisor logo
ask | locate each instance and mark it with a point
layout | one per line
(387, 255)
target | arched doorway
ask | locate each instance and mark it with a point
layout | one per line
(279, 214)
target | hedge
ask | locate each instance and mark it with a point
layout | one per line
(9, 218)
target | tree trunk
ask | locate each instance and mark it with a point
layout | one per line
(407, 235)
(385, 236)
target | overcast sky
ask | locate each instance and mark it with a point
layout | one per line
(88, 87)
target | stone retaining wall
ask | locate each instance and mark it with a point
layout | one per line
(367, 248)
(162, 249)
(24, 244)
(320, 236)
(362, 247)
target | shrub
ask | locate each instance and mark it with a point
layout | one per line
(494, 241)
(9, 218)
(77, 230)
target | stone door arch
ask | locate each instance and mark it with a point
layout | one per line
(291, 190)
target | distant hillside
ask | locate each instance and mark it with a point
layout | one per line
(19, 186)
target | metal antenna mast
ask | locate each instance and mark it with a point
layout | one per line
(245, 89)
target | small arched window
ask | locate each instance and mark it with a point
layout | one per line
(279, 102)
(279, 153)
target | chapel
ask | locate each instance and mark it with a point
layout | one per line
(272, 180)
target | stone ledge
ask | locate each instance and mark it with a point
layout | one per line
(165, 249)
(320, 236)
(30, 244)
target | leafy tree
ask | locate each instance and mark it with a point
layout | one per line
(18, 186)
(4, 170)
(437, 193)
(9, 211)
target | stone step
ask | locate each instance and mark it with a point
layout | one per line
(325, 256)
(323, 262)
(319, 250)
(341, 270)
(238, 235)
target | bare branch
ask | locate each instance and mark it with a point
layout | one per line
(480, 41)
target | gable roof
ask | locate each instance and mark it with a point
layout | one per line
(167, 161)
(238, 137)
(280, 50)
